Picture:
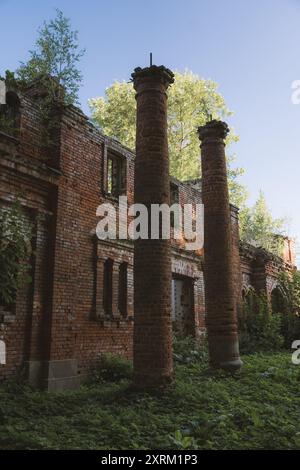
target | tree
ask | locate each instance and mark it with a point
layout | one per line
(260, 229)
(192, 101)
(56, 55)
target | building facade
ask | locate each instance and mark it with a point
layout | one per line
(80, 301)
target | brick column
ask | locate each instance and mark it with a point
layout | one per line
(218, 262)
(153, 363)
(36, 348)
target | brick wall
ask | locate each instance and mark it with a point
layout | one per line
(260, 269)
(58, 328)
(24, 174)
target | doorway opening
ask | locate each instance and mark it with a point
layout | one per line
(183, 315)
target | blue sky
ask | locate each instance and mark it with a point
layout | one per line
(251, 48)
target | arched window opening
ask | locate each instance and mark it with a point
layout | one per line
(107, 287)
(248, 295)
(122, 300)
(278, 301)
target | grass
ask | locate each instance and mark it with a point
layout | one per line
(257, 409)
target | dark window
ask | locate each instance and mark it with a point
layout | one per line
(122, 301)
(174, 194)
(116, 175)
(174, 199)
(107, 287)
(249, 300)
(7, 309)
(10, 114)
(109, 176)
(278, 301)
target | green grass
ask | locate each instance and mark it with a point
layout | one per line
(257, 409)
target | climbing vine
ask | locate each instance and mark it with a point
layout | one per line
(15, 250)
(289, 286)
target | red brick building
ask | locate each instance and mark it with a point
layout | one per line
(80, 301)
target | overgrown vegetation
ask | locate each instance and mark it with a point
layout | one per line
(266, 326)
(287, 303)
(7, 124)
(256, 409)
(187, 350)
(260, 328)
(15, 250)
(112, 368)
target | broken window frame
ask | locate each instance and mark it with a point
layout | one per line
(115, 175)
(123, 290)
(174, 199)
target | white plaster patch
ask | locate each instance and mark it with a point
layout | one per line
(2, 353)
(2, 92)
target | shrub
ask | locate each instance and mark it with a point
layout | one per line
(112, 368)
(260, 329)
(188, 350)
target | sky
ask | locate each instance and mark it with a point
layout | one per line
(251, 48)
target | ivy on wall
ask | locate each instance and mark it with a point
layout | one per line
(15, 250)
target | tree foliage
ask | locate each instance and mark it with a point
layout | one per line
(192, 100)
(56, 54)
(259, 228)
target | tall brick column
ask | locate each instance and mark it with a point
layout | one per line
(218, 255)
(153, 364)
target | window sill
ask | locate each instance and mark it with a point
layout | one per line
(107, 322)
(112, 197)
